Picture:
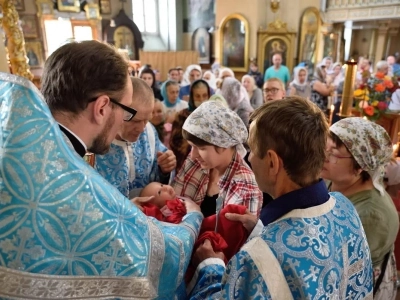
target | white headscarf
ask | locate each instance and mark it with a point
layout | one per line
(186, 75)
(212, 82)
(369, 144)
(296, 80)
(227, 70)
(218, 125)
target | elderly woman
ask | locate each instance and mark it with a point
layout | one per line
(383, 67)
(254, 93)
(358, 151)
(236, 96)
(215, 167)
(199, 92)
(193, 73)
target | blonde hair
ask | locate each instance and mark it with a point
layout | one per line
(252, 80)
(274, 79)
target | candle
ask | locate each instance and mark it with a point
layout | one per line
(348, 89)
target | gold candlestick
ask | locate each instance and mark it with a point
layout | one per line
(348, 89)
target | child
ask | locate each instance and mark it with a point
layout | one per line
(172, 103)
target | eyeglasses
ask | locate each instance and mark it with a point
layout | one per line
(129, 112)
(273, 91)
(334, 158)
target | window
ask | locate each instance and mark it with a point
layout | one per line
(145, 15)
(60, 31)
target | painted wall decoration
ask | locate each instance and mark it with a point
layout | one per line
(201, 42)
(198, 13)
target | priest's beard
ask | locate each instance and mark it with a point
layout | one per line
(100, 144)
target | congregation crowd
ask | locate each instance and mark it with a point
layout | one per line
(202, 186)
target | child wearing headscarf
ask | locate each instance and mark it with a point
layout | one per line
(358, 151)
(300, 86)
(215, 168)
(172, 103)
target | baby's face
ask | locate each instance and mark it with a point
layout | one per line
(161, 192)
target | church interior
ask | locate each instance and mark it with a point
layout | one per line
(349, 41)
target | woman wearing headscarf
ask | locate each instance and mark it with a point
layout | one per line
(226, 72)
(172, 103)
(193, 73)
(211, 80)
(254, 93)
(357, 153)
(300, 86)
(236, 96)
(148, 75)
(215, 167)
(320, 90)
(199, 92)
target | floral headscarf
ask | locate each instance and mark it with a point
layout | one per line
(233, 92)
(218, 125)
(368, 143)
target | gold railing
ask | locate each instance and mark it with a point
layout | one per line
(15, 40)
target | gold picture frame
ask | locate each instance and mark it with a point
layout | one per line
(92, 11)
(64, 5)
(45, 7)
(275, 39)
(310, 26)
(105, 7)
(29, 25)
(34, 52)
(234, 37)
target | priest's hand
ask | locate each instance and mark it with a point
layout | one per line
(139, 201)
(190, 205)
(248, 220)
(205, 251)
(166, 161)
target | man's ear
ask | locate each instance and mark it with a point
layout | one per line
(100, 109)
(273, 162)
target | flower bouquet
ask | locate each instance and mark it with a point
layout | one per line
(373, 94)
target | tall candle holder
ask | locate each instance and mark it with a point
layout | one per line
(348, 89)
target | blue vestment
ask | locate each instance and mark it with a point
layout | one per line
(316, 252)
(131, 166)
(65, 232)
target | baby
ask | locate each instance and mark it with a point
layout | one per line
(165, 205)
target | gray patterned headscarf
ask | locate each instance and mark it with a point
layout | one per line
(368, 143)
(218, 125)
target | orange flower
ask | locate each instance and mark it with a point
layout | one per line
(380, 87)
(379, 75)
(369, 110)
(388, 84)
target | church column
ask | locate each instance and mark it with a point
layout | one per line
(392, 34)
(372, 46)
(381, 41)
(326, 28)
